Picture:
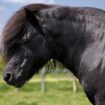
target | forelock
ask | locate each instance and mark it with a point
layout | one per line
(14, 29)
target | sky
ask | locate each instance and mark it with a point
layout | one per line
(8, 7)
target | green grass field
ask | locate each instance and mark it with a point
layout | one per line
(58, 92)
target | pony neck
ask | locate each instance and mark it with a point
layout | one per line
(67, 44)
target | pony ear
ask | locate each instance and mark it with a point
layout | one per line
(32, 19)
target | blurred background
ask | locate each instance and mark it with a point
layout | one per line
(54, 84)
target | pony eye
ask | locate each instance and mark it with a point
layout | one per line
(16, 63)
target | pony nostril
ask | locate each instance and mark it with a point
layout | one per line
(8, 77)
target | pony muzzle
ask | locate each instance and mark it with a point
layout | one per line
(8, 77)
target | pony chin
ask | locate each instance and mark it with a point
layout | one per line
(17, 84)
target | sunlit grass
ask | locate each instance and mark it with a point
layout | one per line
(58, 92)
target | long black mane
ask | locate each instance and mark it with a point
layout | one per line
(14, 29)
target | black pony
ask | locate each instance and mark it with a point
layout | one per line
(73, 36)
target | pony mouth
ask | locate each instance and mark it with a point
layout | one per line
(17, 84)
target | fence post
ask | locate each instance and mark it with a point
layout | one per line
(74, 85)
(43, 82)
